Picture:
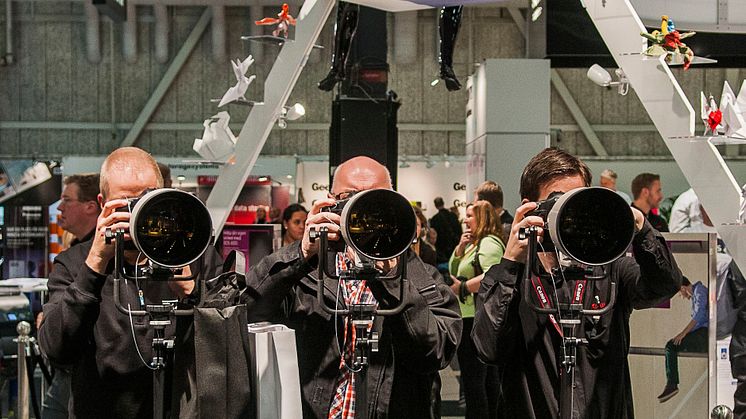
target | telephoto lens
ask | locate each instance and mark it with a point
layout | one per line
(593, 226)
(170, 227)
(378, 224)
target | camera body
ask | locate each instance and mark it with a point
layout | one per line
(338, 207)
(131, 202)
(543, 208)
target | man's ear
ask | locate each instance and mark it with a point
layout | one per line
(100, 199)
(93, 207)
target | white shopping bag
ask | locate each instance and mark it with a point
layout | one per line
(274, 371)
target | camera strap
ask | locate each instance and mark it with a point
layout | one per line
(545, 302)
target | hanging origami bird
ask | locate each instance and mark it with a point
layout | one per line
(667, 42)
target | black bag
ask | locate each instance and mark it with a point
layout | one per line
(217, 380)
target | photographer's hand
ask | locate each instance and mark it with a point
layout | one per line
(516, 249)
(101, 252)
(316, 220)
(639, 218)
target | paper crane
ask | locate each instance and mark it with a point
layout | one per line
(710, 114)
(728, 119)
(283, 21)
(218, 142)
(242, 82)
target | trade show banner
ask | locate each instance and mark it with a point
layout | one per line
(26, 237)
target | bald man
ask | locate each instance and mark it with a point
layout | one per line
(413, 345)
(83, 329)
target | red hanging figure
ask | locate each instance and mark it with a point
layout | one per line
(283, 21)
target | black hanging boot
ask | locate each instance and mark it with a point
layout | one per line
(344, 32)
(448, 23)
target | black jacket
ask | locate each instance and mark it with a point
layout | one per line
(527, 348)
(413, 345)
(449, 233)
(82, 328)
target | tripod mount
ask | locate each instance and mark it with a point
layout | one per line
(359, 315)
(565, 316)
(160, 316)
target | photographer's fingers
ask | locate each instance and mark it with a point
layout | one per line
(321, 203)
(521, 211)
(517, 247)
(311, 247)
(111, 206)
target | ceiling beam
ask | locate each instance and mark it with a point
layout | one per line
(577, 114)
(173, 70)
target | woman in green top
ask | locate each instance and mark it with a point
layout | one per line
(480, 248)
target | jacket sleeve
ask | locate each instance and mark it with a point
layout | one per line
(272, 280)
(428, 330)
(653, 275)
(72, 310)
(496, 322)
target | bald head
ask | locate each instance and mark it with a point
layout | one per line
(130, 166)
(359, 174)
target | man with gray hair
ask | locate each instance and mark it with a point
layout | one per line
(83, 328)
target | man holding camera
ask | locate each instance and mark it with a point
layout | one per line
(529, 347)
(413, 345)
(110, 353)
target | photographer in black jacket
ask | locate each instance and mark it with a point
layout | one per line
(413, 345)
(109, 352)
(527, 346)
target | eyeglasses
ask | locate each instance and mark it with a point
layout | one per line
(345, 195)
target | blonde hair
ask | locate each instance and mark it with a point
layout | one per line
(487, 221)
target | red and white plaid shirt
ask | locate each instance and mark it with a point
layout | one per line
(353, 292)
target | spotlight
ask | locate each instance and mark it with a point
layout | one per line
(181, 178)
(290, 113)
(263, 179)
(289, 176)
(602, 78)
(294, 112)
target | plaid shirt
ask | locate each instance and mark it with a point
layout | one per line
(353, 292)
